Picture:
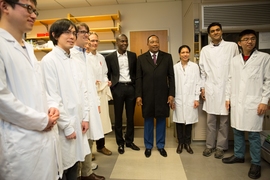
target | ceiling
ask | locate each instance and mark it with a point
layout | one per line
(64, 4)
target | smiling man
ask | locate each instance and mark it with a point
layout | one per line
(248, 93)
(65, 84)
(155, 91)
(122, 73)
(28, 116)
(214, 65)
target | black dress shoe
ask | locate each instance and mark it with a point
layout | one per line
(147, 152)
(162, 152)
(188, 148)
(133, 146)
(254, 171)
(121, 149)
(93, 176)
(233, 159)
(179, 148)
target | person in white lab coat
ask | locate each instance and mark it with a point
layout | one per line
(95, 131)
(100, 70)
(29, 143)
(214, 65)
(248, 93)
(65, 83)
(186, 101)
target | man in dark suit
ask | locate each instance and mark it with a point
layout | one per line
(155, 90)
(122, 73)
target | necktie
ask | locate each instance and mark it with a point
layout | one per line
(155, 58)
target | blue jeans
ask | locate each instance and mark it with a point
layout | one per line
(254, 143)
(149, 132)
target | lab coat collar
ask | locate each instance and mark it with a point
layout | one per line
(61, 52)
(6, 35)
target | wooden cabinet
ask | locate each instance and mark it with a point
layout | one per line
(107, 26)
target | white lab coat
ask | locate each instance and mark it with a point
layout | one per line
(95, 131)
(65, 83)
(187, 90)
(214, 65)
(248, 86)
(26, 152)
(100, 70)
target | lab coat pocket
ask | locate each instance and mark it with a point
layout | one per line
(178, 101)
(252, 102)
(190, 100)
(25, 141)
(253, 72)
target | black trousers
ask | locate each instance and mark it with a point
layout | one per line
(124, 94)
(183, 133)
(70, 173)
(100, 143)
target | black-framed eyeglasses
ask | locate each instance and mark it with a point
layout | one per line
(84, 32)
(69, 32)
(29, 8)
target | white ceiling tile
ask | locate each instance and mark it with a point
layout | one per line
(101, 2)
(48, 4)
(131, 1)
(73, 3)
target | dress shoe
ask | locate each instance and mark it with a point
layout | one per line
(147, 152)
(133, 146)
(233, 159)
(121, 149)
(179, 148)
(105, 151)
(93, 176)
(162, 152)
(188, 148)
(254, 171)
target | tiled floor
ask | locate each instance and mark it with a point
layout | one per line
(132, 165)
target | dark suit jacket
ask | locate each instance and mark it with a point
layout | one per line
(154, 83)
(113, 67)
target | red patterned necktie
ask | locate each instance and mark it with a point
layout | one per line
(155, 58)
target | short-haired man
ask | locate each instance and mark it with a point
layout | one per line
(214, 65)
(155, 91)
(95, 131)
(122, 73)
(65, 84)
(29, 142)
(100, 71)
(248, 93)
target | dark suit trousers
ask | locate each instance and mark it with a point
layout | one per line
(149, 132)
(183, 133)
(124, 94)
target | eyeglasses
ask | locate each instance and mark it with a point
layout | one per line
(29, 8)
(248, 39)
(93, 40)
(69, 32)
(84, 32)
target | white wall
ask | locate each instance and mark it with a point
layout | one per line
(137, 17)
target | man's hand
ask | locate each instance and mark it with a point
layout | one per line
(139, 101)
(53, 115)
(171, 102)
(109, 83)
(261, 109)
(196, 104)
(72, 136)
(99, 109)
(203, 94)
(85, 126)
(227, 105)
